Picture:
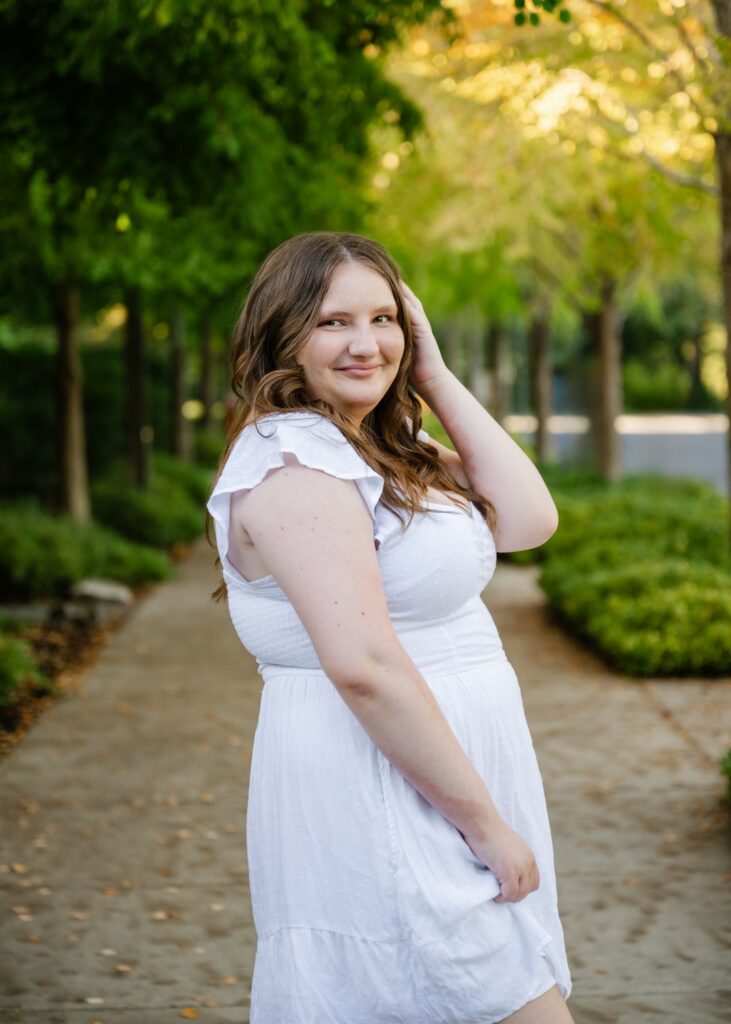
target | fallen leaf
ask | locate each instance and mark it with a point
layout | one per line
(189, 1012)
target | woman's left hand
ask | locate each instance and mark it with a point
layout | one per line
(428, 365)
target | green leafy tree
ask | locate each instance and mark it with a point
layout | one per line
(157, 150)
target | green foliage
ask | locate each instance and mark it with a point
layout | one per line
(17, 669)
(641, 570)
(669, 526)
(532, 17)
(207, 130)
(28, 413)
(161, 516)
(208, 447)
(42, 555)
(195, 480)
(649, 618)
(655, 389)
(725, 763)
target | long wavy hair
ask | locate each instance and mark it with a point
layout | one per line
(278, 316)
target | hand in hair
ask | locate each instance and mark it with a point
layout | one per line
(428, 365)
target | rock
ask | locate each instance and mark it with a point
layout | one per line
(103, 591)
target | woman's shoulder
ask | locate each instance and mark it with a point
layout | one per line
(306, 435)
(295, 418)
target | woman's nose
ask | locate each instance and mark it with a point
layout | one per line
(363, 339)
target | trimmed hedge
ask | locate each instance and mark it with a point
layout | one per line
(660, 524)
(43, 555)
(648, 618)
(641, 570)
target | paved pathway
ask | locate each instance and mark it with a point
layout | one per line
(122, 852)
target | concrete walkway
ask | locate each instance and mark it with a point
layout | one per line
(122, 857)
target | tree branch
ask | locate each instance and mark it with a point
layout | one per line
(647, 40)
(686, 180)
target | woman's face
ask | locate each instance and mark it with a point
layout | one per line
(357, 327)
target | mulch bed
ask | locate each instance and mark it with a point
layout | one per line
(62, 651)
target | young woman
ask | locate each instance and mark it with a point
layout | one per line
(399, 849)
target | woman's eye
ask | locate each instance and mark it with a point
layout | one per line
(326, 323)
(384, 316)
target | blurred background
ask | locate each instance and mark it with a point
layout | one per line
(553, 177)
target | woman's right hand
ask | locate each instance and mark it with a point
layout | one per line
(509, 857)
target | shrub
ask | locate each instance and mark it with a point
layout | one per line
(665, 525)
(112, 557)
(726, 770)
(195, 480)
(17, 668)
(655, 388)
(160, 516)
(208, 447)
(43, 555)
(670, 617)
(641, 569)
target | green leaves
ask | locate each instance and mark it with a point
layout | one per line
(170, 144)
(533, 17)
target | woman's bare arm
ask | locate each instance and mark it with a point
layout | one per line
(496, 467)
(315, 536)
(486, 457)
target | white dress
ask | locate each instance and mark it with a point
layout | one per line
(369, 907)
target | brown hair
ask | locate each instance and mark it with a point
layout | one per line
(277, 319)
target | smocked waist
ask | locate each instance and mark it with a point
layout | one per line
(268, 672)
(445, 647)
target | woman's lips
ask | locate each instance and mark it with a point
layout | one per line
(359, 371)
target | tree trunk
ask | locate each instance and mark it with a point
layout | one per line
(723, 158)
(722, 10)
(541, 390)
(604, 325)
(70, 389)
(496, 369)
(179, 432)
(206, 374)
(138, 433)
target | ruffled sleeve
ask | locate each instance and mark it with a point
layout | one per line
(282, 439)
